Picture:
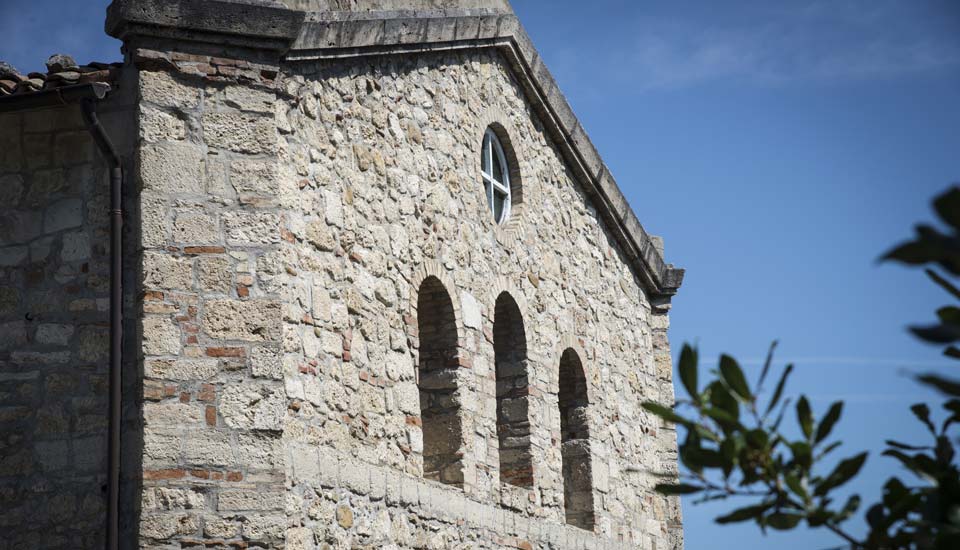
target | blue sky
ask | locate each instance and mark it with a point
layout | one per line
(779, 147)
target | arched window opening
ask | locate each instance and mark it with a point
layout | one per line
(496, 177)
(513, 422)
(575, 442)
(437, 381)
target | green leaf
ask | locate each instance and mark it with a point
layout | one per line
(937, 334)
(945, 284)
(904, 446)
(949, 315)
(766, 365)
(670, 489)
(779, 390)
(922, 412)
(844, 472)
(818, 517)
(944, 450)
(828, 449)
(722, 417)
(949, 387)
(783, 521)
(721, 398)
(729, 449)
(744, 514)
(795, 484)
(802, 454)
(805, 416)
(850, 508)
(733, 376)
(666, 413)
(911, 253)
(947, 207)
(904, 459)
(829, 420)
(894, 491)
(688, 371)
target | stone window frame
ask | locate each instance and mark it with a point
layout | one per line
(497, 121)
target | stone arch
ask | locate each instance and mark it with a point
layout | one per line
(513, 391)
(575, 450)
(438, 381)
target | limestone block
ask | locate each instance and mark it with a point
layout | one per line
(251, 321)
(76, 247)
(157, 125)
(161, 336)
(13, 255)
(208, 448)
(163, 271)
(240, 132)
(266, 362)
(237, 500)
(164, 526)
(244, 228)
(247, 98)
(260, 451)
(166, 498)
(54, 334)
(253, 406)
(160, 448)
(215, 274)
(11, 189)
(470, 309)
(195, 228)
(166, 90)
(254, 177)
(172, 168)
(181, 369)
(63, 214)
(171, 414)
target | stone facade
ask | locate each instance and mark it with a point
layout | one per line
(331, 344)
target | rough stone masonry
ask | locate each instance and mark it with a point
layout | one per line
(329, 340)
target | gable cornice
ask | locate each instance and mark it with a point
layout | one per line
(298, 36)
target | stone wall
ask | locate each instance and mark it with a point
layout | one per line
(381, 159)
(54, 300)
(295, 225)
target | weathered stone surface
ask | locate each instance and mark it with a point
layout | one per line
(256, 407)
(253, 321)
(161, 336)
(172, 167)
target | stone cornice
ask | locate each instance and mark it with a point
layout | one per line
(302, 36)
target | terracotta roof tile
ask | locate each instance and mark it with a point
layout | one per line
(62, 70)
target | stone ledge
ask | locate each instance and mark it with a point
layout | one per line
(222, 21)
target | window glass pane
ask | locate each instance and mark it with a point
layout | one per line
(485, 153)
(499, 201)
(497, 168)
(488, 191)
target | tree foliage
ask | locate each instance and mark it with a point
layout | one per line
(735, 446)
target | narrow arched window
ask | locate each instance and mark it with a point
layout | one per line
(513, 421)
(496, 176)
(575, 442)
(437, 377)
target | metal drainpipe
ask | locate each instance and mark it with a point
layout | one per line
(89, 109)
